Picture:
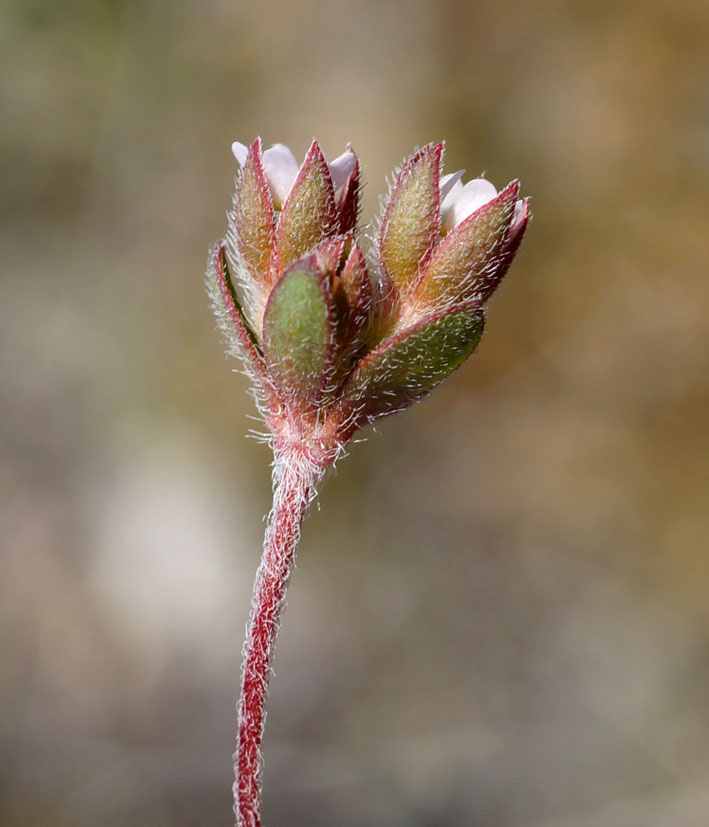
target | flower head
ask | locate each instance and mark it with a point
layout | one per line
(334, 342)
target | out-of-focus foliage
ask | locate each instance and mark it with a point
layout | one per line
(500, 615)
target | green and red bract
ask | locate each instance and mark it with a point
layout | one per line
(253, 223)
(409, 364)
(310, 213)
(411, 218)
(299, 334)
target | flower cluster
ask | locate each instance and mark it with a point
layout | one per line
(334, 340)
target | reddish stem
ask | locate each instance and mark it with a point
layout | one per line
(295, 478)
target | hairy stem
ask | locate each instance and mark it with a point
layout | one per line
(295, 480)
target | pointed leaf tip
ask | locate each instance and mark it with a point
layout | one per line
(252, 227)
(469, 254)
(309, 213)
(355, 280)
(410, 224)
(357, 300)
(508, 250)
(349, 202)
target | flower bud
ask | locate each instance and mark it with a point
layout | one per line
(331, 342)
(411, 219)
(281, 212)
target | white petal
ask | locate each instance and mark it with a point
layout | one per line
(452, 195)
(472, 196)
(449, 181)
(240, 152)
(341, 168)
(281, 169)
(447, 215)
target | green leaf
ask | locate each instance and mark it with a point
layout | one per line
(298, 334)
(408, 365)
(309, 214)
(251, 224)
(230, 318)
(410, 223)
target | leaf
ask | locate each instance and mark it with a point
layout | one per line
(410, 223)
(508, 250)
(408, 365)
(357, 288)
(251, 234)
(298, 334)
(309, 214)
(469, 253)
(229, 316)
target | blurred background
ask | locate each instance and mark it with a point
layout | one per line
(500, 615)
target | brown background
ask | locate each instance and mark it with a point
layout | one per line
(499, 616)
